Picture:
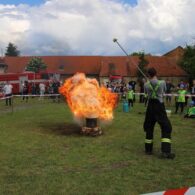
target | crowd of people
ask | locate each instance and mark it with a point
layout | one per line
(41, 89)
(33, 89)
(174, 94)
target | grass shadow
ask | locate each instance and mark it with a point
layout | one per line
(66, 129)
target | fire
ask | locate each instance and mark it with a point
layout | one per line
(87, 99)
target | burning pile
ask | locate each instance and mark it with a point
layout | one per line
(87, 100)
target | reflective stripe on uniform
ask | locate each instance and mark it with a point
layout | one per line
(167, 140)
(148, 141)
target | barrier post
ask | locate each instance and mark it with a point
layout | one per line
(12, 102)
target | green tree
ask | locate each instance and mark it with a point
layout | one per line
(139, 53)
(12, 50)
(188, 61)
(36, 64)
(142, 65)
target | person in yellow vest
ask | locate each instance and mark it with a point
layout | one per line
(130, 96)
(180, 100)
(190, 111)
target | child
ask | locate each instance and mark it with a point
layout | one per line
(130, 95)
(191, 110)
(180, 100)
(123, 96)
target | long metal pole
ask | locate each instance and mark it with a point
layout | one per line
(116, 41)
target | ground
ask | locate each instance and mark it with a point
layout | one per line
(42, 152)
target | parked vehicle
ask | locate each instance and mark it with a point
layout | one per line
(18, 79)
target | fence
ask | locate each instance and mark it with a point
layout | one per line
(54, 96)
(10, 108)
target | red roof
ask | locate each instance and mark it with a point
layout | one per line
(117, 63)
(63, 64)
(98, 65)
(163, 65)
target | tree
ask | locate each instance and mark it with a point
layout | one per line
(139, 53)
(36, 64)
(12, 50)
(188, 61)
(142, 65)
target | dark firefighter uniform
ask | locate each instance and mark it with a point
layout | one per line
(156, 113)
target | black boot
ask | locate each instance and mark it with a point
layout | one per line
(167, 155)
(148, 148)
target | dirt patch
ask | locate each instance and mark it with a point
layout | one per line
(61, 128)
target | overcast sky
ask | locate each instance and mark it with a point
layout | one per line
(87, 27)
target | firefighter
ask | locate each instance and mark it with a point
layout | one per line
(156, 112)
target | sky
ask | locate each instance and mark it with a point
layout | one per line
(17, 2)
(38, 2)
(83, 27)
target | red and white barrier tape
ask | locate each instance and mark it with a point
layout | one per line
(49, 95)
(169, 94)
(45, 95)
(183, 191)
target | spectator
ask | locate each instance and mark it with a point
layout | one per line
(190, 111)
(56, 85)
(42, 90)
(180, 102)
(33, 89)
(130, 95)
(187, 90)
(133, 84)
(181, 83)
(25, 91)
(50, 89)
(7, 89)
(169, 88)
(109, 87)
(193, 90)
(184, 86)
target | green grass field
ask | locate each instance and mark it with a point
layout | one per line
(42, 152)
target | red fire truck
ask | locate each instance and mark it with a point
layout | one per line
(17, 80)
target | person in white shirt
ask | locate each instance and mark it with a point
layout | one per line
(7, 89)
(42, 89)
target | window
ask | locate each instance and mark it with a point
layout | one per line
(61, 67)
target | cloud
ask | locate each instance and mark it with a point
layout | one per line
(82, 27)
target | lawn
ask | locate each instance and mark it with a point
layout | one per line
(42, 152)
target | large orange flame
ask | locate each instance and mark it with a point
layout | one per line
(87, 99)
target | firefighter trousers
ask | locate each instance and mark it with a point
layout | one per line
(156, 113)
